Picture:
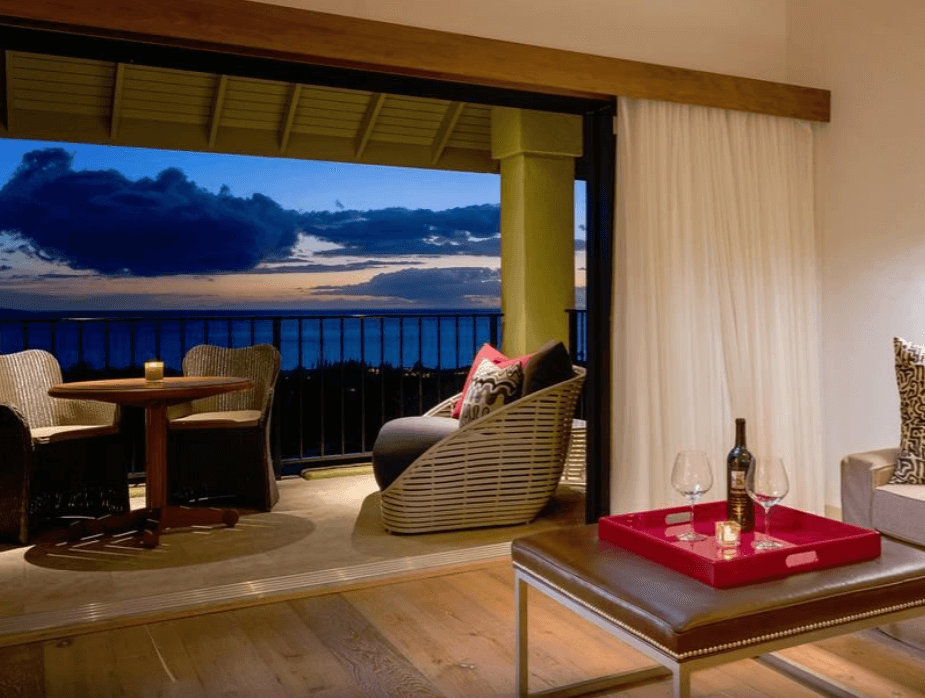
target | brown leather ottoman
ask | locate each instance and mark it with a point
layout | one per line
(686, 625)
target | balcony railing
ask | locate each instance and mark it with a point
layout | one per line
(342, 376)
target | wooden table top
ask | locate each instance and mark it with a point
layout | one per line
(138, 391)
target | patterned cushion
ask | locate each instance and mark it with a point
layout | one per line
(497, 358)
(491, 388)
(910, 379)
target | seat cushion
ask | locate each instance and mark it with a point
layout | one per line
(899, 511)
(45, 435)
(231, 419)
(403, 440)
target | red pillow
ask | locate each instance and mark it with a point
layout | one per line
(497, 358)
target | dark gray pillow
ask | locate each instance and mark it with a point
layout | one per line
(549, 365)
(401, 441)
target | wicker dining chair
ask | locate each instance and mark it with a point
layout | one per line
(57, 457)
(498, 470)
(219, 447)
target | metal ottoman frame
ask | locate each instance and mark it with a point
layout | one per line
(679, 666)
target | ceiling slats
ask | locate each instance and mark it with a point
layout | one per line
(50, 83)
(133, 104)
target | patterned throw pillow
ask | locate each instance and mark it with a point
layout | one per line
(910, 378)
(497, 358)
(491, 388)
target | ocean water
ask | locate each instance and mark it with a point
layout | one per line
(433, 339)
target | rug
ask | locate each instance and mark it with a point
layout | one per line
(198, 546)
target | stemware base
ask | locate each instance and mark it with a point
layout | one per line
(767, 544)
(691, 536)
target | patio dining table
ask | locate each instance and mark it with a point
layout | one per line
(155, 397)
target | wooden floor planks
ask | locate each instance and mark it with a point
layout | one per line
(373, 662)
(22, 671)
(450, 635)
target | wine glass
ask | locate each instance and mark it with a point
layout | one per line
(766, 483)
(692, 476)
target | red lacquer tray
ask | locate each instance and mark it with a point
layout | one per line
(810, 543)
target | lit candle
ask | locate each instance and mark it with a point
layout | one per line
(154, 371)
(727, 532)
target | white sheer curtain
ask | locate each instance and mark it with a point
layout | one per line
(717, 298)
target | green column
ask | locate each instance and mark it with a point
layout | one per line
(537, 151)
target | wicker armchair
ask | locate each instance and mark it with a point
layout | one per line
(220, 446)
(498, 470)
(57, 457)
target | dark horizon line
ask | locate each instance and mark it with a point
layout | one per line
(15, 313)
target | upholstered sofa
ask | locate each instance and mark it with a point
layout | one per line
(897, 511)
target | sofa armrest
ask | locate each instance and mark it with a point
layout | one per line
(861, 474)
(444, 409)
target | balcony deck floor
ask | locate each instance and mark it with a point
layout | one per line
(321, 532)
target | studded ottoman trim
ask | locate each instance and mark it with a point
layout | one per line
(727, 645)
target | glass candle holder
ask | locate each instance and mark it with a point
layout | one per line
(154, 371)
(728, 533)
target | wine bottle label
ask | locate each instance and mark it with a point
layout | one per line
(736, 480)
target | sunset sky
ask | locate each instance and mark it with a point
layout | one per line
(86, 227)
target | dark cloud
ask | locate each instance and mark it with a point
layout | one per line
(452, 287)
(310, 268)
(472, 230)
(101, 220)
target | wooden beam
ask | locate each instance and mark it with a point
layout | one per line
(116, 100)
(271, 31)
(447, 124)
(368, 123)
(217, 108)
(291, 109)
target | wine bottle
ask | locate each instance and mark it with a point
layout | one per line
(739, 507)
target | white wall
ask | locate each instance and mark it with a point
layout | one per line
(738, 37)
(870, 159)
(870, 205)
